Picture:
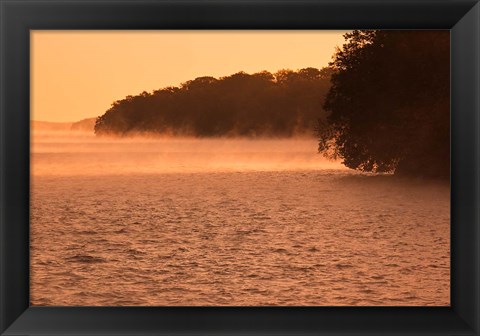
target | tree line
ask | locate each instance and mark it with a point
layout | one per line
(382, 104)
(282, 104)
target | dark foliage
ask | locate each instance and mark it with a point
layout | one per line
(389, 103)
(262, 104)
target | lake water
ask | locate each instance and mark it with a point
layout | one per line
(181, 222)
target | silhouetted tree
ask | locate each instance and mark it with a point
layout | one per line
(261, 104)
(389, 104)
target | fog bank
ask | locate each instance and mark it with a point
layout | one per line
(77, 153)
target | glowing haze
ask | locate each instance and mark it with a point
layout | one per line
(165, 220)
(78, 74)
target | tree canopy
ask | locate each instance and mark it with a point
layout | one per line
(389, 104)
(282, 104)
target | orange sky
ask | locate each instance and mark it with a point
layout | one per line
(78, 74)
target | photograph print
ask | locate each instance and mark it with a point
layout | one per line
(240, 168)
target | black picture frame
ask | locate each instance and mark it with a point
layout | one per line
(18, 17)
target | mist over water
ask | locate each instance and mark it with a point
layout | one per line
(186, 221)
(85, 154)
